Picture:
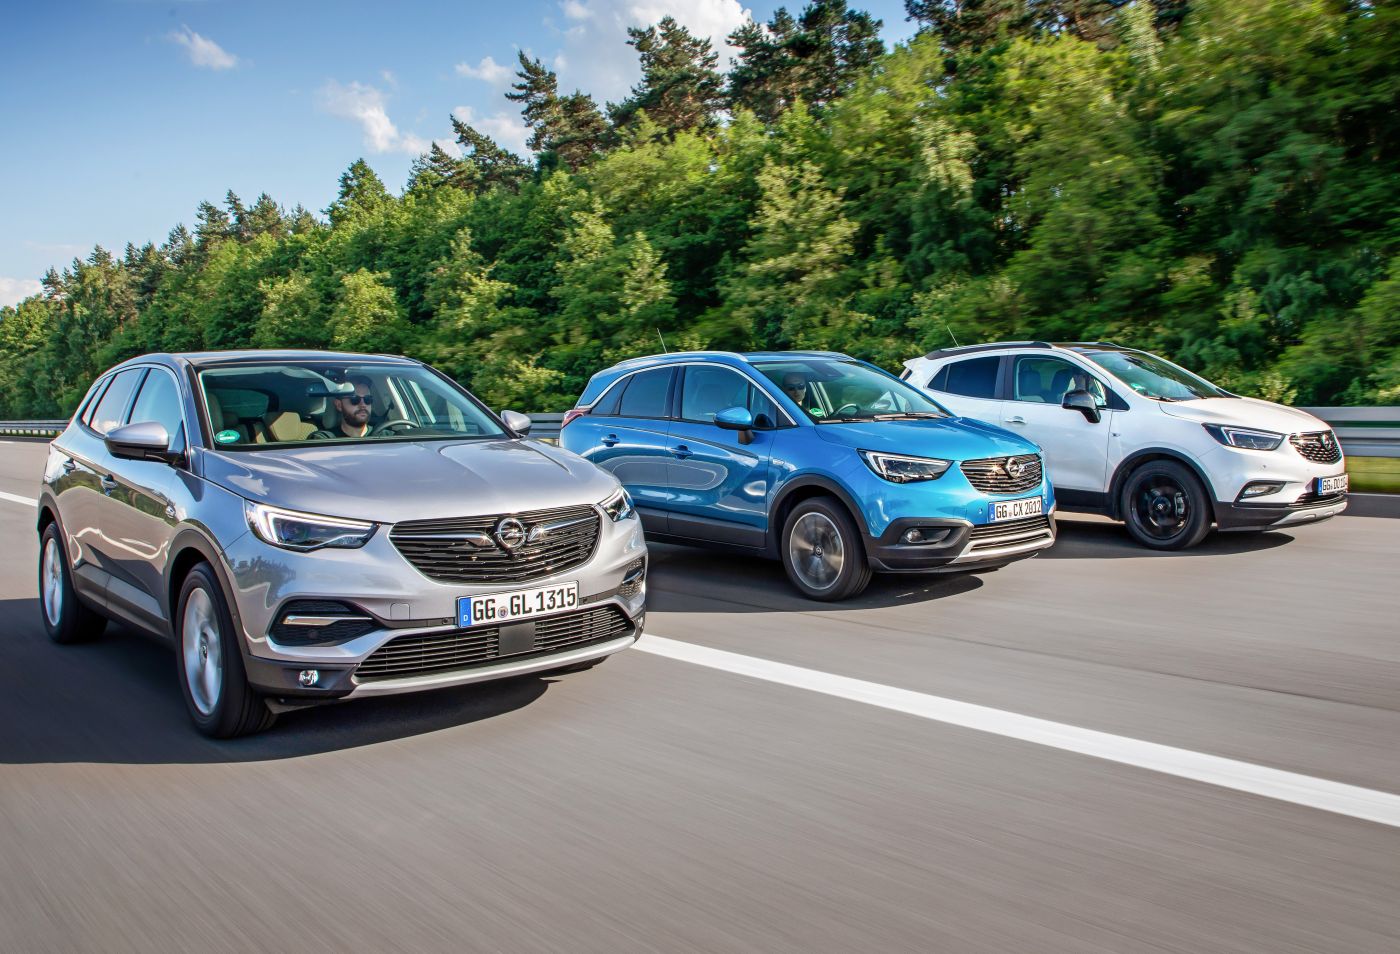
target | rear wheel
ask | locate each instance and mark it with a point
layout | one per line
(66, 618)
(210, 662)
(822, 551)
(1165, 506)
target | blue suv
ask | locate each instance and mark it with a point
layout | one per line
(822, 461)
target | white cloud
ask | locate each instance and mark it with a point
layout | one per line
(488, 71)
(504, 127)
(15, 290)
(365, 105)
(595, 57)
(202, 51)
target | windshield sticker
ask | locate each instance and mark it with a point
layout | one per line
(226, 437)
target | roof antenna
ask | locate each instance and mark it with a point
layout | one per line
(951, 335)
(663, 341)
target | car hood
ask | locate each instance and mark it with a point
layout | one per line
(1244, 412)
(952, 438)
(412, 480)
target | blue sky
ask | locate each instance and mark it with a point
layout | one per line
(120, 116)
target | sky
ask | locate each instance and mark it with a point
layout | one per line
(117, 117)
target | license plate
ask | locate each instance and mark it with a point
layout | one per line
(1015, 509)
(517, 604)
(1327, 486)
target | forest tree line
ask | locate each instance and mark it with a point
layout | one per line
(1214, 180)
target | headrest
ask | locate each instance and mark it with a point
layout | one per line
(241, 404)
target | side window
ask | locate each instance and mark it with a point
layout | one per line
(708, 391)
(111, 407)
(940, 380)
(973, 377)
(607, 405)
(764, 411)
(1047, 380)
(646, 394)
(93, 400)
(159, 401)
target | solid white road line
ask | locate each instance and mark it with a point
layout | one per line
(16, 498)
(1306, 790)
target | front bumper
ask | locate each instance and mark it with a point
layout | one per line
(1252, 516)
(966, 546)
(401, 604)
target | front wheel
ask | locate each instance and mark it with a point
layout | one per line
(210, 662)
(822, 550)
(1165, 506)
(66, 619)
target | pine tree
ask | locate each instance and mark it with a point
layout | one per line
(361, 191)
(488, 163)
(681, 87)
(265, 218)
(567, 131)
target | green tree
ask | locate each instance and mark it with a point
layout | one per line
(680, 87)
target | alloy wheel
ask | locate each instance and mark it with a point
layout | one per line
(817, 551)
(201, 646)
(52, 577)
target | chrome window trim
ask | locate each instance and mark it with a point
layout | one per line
(699, 364)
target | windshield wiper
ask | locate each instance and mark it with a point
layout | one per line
(907, 415)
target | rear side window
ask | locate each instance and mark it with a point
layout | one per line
(608, 404)
(646, 394)
(159, 401)
(973, 377)
(109, 410)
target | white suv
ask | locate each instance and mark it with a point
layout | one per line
(1130, 435)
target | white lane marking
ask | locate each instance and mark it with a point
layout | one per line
(1336, 797)
(16, 498)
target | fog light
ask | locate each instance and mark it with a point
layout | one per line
(924, 535)
(1261, 488)
(309, 677)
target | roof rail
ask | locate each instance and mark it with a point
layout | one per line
(1089, 344)
(989, 346)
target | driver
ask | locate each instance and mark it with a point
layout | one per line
(795, 387)
(354, 410)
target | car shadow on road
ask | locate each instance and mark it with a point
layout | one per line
(696, 580)
(116, 700)
(1087, 539)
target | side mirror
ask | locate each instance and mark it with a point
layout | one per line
(736, 419)
(1083, 402)
(147, 440)
(520, 423)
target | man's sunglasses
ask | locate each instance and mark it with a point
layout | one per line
(357, 400)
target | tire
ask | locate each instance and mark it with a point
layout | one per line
(209, 661)
(1165, 506)
(66, 618)
(823, 552)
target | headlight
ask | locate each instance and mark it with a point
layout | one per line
(303, 531)
(904, 470)
(1245, 437)
(618, 506)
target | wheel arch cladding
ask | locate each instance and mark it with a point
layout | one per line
(189, 550)
(805, 488)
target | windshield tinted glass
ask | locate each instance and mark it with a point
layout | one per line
(1152, 377)
(255, 406)
(831, 391)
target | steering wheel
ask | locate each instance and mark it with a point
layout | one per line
(848, 410)
(388, 427)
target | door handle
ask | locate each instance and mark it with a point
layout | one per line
(681, 452)
(108, 482)
(609, 441)
(1018, 419)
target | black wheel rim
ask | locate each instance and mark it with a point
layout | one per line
(1161, 506)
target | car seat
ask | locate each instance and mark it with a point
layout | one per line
(1028, 387)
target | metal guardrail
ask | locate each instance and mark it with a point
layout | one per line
(1363, 431)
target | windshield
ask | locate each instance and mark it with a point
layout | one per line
(1154, 378)
(832, 391)
(252, 407)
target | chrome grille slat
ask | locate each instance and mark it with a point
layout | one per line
(447, 550)
(1320, 447)
(992, 535)
(990, 476)
(427, 653)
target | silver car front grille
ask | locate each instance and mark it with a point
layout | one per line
(426, 654)
(1320, 447)
(1010, 533)
(1003, 475)
(503, 548)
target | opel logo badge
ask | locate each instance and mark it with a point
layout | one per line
(510, 533)
(1014, 467)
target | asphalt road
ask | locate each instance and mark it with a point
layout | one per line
(653, 804)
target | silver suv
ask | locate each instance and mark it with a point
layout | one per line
(310, 526)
